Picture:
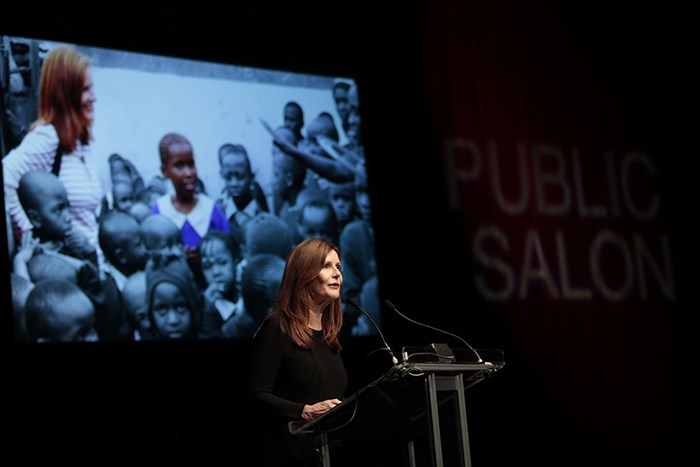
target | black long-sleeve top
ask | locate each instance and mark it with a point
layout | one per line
(285, 377)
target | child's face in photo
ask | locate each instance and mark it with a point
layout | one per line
(135, 251)
(343, 203)
(362, 201)
(354, 120)
(236, 174)
(280, 175)
(53, 214)
(292, 118)
(123, 196)
(217, 265)
(139, 315)
(180, 169)
(135, 302)
(340, 95)
(171, 315)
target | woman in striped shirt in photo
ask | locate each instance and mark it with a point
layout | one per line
(63, 131)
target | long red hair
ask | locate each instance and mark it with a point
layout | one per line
(295, 297)
(63, 76)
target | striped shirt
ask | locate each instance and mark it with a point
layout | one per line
(36, 152)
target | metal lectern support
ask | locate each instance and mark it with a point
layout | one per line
(325, 454)
(409, 394)
(433, 384)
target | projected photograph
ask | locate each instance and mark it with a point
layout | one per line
(156, 198)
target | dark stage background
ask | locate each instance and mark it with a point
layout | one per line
(533, 170)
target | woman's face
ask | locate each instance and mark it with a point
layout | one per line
(327, 285)
(88, 98)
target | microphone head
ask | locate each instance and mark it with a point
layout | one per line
(353, 301)
(389, 304)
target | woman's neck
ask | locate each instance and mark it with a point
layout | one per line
(315, 320)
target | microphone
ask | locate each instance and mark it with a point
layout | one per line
(356, 304)
(393, 307)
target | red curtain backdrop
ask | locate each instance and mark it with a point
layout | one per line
(569, 218)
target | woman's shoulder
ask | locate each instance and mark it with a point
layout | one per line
(37, 148)
(269, 326)
(44, 131)
(272, 320)
(41, 138)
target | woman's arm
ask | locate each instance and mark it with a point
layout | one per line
(36, 152)
(266, 363)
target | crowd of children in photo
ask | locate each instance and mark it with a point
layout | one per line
(171, 261)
